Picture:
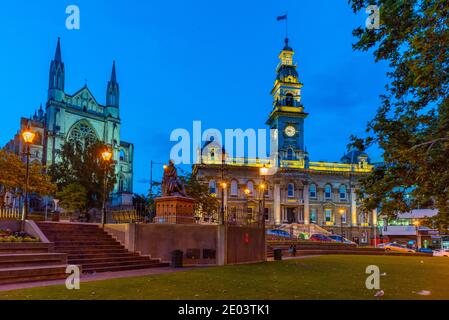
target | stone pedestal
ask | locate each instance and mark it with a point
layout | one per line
(175, 210)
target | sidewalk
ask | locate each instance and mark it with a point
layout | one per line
(96, 277)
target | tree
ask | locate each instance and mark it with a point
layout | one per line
(73, 198)
(13, 177)
(82, 165)
(206, 204)
(412, 124)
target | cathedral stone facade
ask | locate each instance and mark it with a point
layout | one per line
(312, 195)
(79, 117)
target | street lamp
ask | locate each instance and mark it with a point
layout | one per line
(106, 155)
(342, 212)
(418, 240)
(28, 137)
(263, 172)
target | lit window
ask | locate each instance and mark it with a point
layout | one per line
(312, 191)
(328, 215)
(328, 191)
(250, 186)
(291, 190)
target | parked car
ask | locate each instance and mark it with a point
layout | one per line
(425, 250)
(398, 248)
(279, 233)
(338, 238)
(382, 245)
(441, 253)
(320, 237)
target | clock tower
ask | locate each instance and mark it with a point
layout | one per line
(286, 120)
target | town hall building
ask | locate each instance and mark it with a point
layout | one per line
(79, 117)
(295, 190)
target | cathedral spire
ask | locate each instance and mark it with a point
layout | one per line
(58, 55)
(57, 76)
(113, 94)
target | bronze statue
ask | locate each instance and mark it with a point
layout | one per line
(171, 184)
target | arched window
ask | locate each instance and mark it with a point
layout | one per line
(290, 154)
(312, 191)
(328, 191)
(342, 192)
(83, 133)
(212, 187)
(289, 100)
(122, 184)
(291, 190)
(234, 188)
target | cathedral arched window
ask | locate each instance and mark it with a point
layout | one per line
(289, 100)
(122, 155)
(122, 184)
(82, 132)
(342, 192)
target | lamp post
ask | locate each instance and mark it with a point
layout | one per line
(418, 240)
(28, 137)
(223, 187)
(106, 156)
(263, 173)
(342, 212)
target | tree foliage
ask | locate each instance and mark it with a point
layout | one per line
(13, 177)
(83, 165)
(73, 198)
(412, 124)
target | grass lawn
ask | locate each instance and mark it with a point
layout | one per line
(325, 277)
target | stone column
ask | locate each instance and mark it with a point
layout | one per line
(306, 204)
(277, 204)
(353, 207)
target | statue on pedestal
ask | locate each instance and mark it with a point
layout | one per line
(171, 184)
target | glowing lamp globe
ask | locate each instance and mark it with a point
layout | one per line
(28, 136)
(106, 155)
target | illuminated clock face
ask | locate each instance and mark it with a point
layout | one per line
(290, 131)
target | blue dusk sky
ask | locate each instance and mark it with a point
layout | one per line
(179, 61)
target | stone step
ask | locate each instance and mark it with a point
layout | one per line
(126, 267)
(32, 259)
(100, 255)
(125, 262)
(87, 261)
(64, 248)
(29, 274)
(93, 242)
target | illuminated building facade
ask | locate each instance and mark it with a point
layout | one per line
(315, 195)
(79, 117)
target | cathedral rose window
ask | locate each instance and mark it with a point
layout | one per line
(84, 133)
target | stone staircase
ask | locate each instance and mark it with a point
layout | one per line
(93, 248)
(29, 262)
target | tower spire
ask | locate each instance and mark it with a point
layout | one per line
(58, 55)
(113, 94)
(57, 76)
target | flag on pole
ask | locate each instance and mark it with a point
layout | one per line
(284, 17)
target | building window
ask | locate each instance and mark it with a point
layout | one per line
(328, 191)
(312, 191)
(343, 217)
(212, 187)
(313, 215)
(250, 186)
(291, 190)
(234, 188)
(328, 215)
(289, 100)
(290, 154)
(122, 155)
(343, 192)
(212, 154)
